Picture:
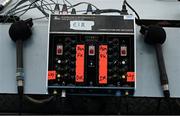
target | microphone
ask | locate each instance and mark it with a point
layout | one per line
(19, 32)
(156, 36)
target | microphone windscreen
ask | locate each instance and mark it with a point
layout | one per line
(155, 35)
(20, 31)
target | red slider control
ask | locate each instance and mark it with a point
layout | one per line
(103, 64)
(80, 51)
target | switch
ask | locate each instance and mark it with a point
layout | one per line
(91, 50)
(59, 50)
(123, 51)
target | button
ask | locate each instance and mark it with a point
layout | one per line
(59, 61)
(55, 92)
(123, 76)
(91, 63)
(126, 93)
(123, 51)
(58, 75)
(59, 50)
(91, 50)
(123, 62)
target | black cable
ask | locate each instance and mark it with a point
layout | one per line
(39, 101)
(41, 5)
(39, 8)
(53, 1)
(39, 18)
(9, 15)
(48, 4)
(98, 11)
(14, 3)
(46, 7)
(11, 5)
(32, 7)
(27, 9)
(82, 3)
(137, 15)
(68, 2)
(15, 9)
(18, 4)
(132, 9)
(12, 13)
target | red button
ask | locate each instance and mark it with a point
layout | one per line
(51, 75)
(91, 51)
(123, 52)
(59, 50)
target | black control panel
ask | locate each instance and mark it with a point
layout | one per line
(91, 63)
